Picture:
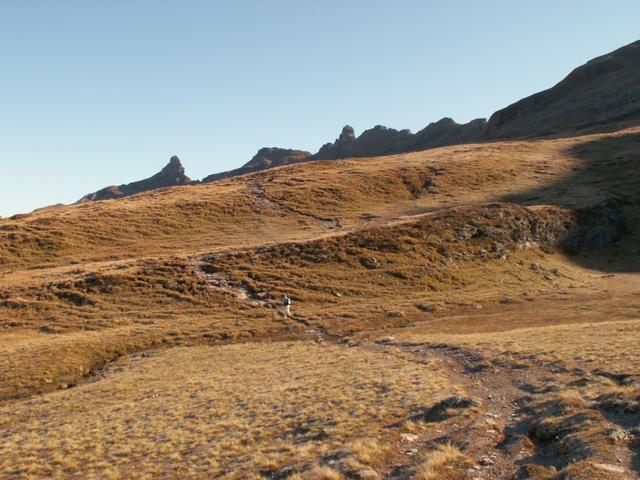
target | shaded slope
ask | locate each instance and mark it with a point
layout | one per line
(603, 94)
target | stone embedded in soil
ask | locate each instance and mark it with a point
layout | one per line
(619, 436)
(607, 467)
(386, 340)
(367, 474)
(370, 263)
(408, 437)
(486, 461)
(458, 401)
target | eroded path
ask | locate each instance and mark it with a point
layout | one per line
(512, 420)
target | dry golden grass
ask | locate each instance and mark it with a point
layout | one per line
(611, 346)
(319, 473)
(130, 263)
(206, 412)
(385, 276)
(33, 361)
(423, 253)
(361, 245)
(202, 300)
(156, 223)
(425, 272)
(586, 384)
(285, 203)
(446, 461)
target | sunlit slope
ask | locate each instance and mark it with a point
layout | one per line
(218, 412)
(432, 266)
(502, 272)
(579, 386)
(307, 200)
(362, 244)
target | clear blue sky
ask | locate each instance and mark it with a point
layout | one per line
(94, 93)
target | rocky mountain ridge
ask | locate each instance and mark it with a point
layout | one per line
(602, 95)
(173, 174)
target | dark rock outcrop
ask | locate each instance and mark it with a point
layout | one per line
(330, 151)
(602, 95)
(510, 226)
(171, 175)
(274, 157)
(267, 157)
(599, 226)
(448, 132)
(376, 141)
(381, 140)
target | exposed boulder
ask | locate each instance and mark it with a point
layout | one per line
(370, 263)
(447, 408)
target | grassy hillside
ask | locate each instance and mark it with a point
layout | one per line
(485, 263)
(231, 410)
(304, 201)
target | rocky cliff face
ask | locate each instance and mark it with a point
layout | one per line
(381, 140)
(171, 175)
(376, 141)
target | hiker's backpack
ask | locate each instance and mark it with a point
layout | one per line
(286, 300)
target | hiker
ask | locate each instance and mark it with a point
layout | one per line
(286, 306)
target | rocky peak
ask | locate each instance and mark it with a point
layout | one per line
(173, 167)
(173, 174)
(347, 135)
(336, 149)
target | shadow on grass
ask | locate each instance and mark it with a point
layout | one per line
(604, 189)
